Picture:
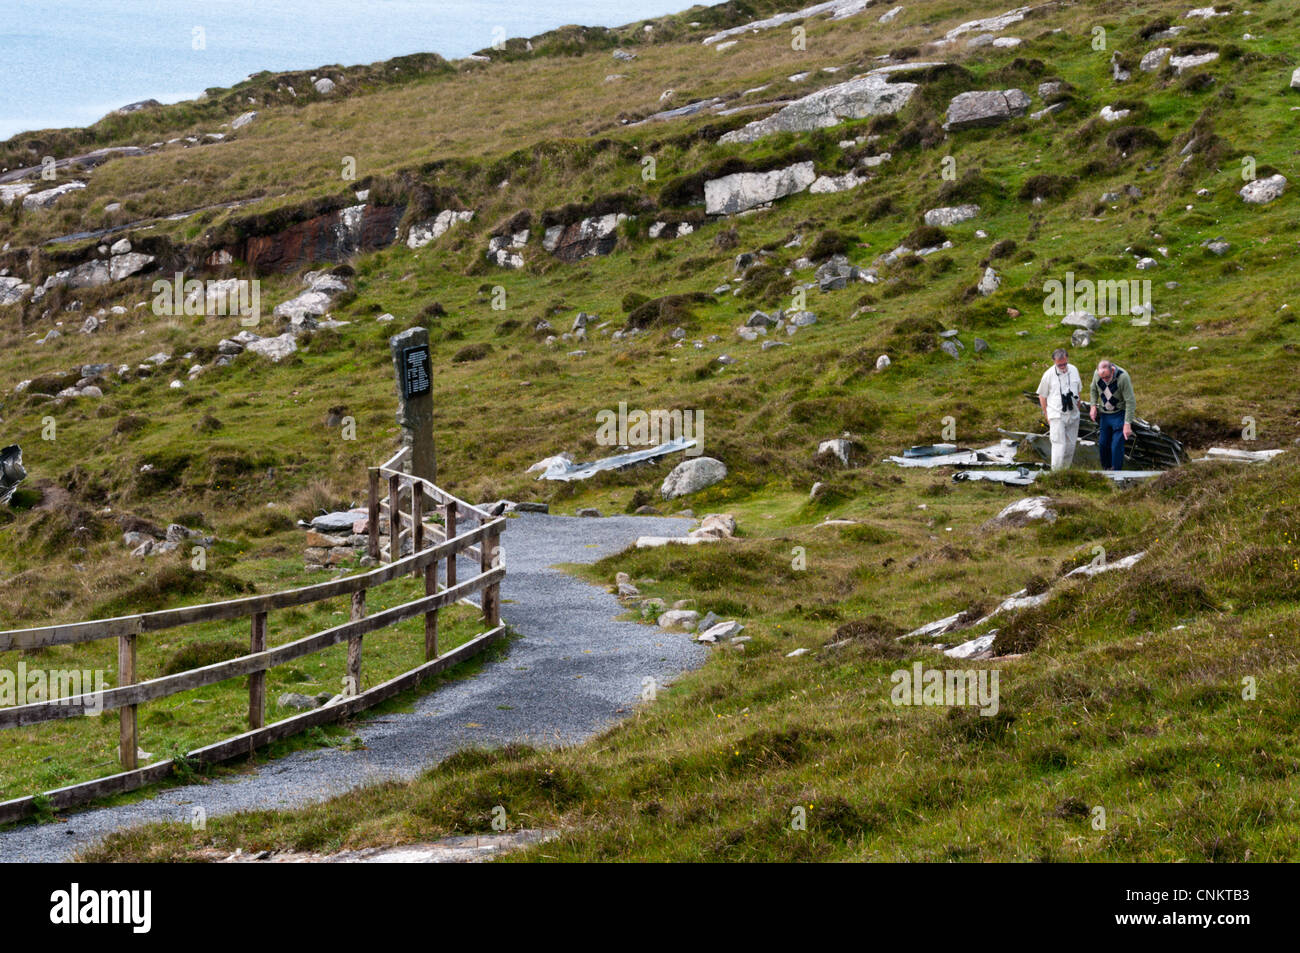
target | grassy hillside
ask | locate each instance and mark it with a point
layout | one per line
(1107, 704)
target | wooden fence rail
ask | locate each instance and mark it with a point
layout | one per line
(445, 544)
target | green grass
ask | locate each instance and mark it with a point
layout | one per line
(55, 754)
(715, 765)
(1141, 715)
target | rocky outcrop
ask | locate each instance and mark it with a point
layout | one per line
(680, 112)
(1183, 63)
(833, 9)
(503, 250)
(9, 194)
(91, 274)
(1154, 60)
(332, 237)
(985, 108)
(826, 184)
(671, 229)
(12, 471)
(127, 264)
(745, 190)
(870, 95)
(989, 24)
(12, 290)
(314, 302)
(433, 229)
(47, 197)
(584, 239)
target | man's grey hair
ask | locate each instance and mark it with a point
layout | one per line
(1105, 361)
(1060, 352)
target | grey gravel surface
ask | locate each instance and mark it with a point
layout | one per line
(574, 671)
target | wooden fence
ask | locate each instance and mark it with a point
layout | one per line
(409, 500)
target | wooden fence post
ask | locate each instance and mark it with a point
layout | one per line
(128, 741)
(451, 531)
(354, 645)
(417, 519)
(492, 593)
(372, 521)
(257, 680)
(394, 519)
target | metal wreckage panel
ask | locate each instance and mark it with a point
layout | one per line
(1150, 448)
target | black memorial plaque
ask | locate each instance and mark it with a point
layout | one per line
(415, 371)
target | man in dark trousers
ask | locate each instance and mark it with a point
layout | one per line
(1113, 407)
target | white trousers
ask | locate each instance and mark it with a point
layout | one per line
(1064, 433)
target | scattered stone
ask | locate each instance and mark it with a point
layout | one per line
(839, 447)
(1030, 509)
(691, 476)
(679, 619)
(944, 217)
(276, 348)
(1263, 191)
(1081, 319)
(985, 108)
(297, 701)
(1117, 71)
(715, 526)
(340, 521)
(721, 632)
(989, 283)
(589, 511)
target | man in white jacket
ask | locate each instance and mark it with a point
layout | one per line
(1058, 396)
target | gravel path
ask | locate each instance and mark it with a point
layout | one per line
(563, 681)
